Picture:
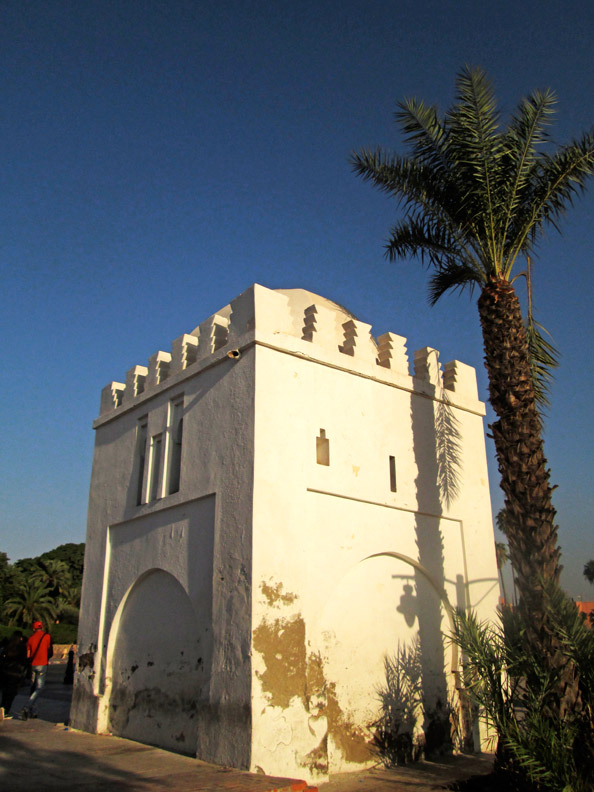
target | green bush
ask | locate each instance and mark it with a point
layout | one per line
(543, 744)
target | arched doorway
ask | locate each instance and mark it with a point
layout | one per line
(156, 675)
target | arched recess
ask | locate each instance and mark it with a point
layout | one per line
(373, 613)
(156, 676)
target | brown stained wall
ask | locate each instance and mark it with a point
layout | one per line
(274, 595)
(290, 672)
(282, 646)
(348, 737)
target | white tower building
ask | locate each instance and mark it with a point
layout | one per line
(276, 506)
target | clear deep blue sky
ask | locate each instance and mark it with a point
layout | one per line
(159, 157)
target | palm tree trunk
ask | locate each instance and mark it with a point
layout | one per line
(531, 529)
(518, 442)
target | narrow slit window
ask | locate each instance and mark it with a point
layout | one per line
(176, 427)
(393, 474)
(156, 447)
(322, 449)
(141, 430)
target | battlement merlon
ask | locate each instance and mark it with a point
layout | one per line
(304, 324)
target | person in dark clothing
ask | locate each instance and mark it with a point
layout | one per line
(13, 666)
(69, 673)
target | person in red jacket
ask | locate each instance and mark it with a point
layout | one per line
(39, 651)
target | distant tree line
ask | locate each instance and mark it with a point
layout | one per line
(46, 588)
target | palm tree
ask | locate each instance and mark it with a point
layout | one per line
(30, 602)
(68, 605)
(54, 575)
(477, 196)
(589, 571)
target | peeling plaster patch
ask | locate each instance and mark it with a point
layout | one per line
(289, 673)
(274, 595)
(351, 739)
(316, 761)
(315, 689)
(322, 701)
(86, 660)
(282, 646)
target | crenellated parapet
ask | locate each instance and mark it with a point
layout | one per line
(301, 323)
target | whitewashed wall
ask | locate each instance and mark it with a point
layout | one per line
(325, 614)
(201, 536)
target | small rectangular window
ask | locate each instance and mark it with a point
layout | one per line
(155, 468)
(176, 427)
(393, 474)
(322, 449)
(141, 431)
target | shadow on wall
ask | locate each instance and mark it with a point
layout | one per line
(436, 450)
(401, 701)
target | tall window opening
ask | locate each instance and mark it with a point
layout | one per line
(156, 447)
(322, 449)
(393, 474)
(176, 427)
(141, 430)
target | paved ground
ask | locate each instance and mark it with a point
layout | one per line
(39, 755)
(44, 754)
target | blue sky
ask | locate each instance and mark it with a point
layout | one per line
(159, 157)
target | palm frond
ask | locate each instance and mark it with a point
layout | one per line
(425, 132)
(526, 132)
(544, 357)
(414, 185)
(391, 173)
(475, 143)
(556, 180)
(418, 235)
(452, 276)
